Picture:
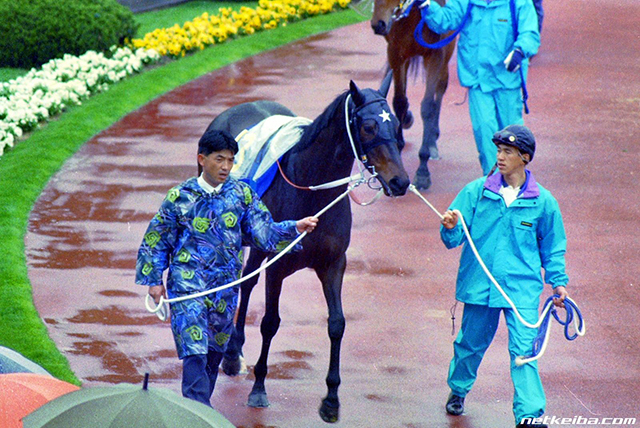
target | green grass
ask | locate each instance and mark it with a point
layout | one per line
(7, 74)
(26, 169)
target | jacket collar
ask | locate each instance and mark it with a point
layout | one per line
(193, 185)
(529, 189)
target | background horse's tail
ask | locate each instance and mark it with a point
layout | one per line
(415, 69)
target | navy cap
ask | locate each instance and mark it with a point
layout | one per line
(518, 136)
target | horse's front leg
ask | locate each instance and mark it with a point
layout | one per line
(331, 278)
(437, 80)
(400, 100)
(268, 329)
(233, 363)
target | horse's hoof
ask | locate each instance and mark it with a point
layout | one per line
(329, 413)
(422, 182)
(258, 400)
(434, 154)
(407, 121)
(234, 367)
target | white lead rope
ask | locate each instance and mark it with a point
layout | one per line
(519, 360)
(161, 309)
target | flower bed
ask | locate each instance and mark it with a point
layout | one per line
(208, 29)
(40, 94)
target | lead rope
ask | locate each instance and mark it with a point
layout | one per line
(579, 324)
(161, 309)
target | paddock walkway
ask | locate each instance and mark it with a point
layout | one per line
(585, 104)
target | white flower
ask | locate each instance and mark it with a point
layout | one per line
(40, 93)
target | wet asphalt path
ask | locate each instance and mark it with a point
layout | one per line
(585, 112)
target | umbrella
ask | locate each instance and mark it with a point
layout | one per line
(125, 406)
(13, 362)
(22, 393)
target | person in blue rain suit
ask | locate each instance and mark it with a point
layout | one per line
(198, 234)
(517, 228)
(489, 60)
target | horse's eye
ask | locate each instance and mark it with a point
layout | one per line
(370, 127)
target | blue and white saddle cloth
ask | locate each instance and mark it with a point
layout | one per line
(260, 146)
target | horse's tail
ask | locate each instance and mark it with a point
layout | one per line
(415, 69)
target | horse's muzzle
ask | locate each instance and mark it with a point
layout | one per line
(380, 28)
(398, 186)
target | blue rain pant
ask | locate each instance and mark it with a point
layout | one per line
(199, 374)
(490, 112)
(479, 325)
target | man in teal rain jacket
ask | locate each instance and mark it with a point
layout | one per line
(198, 234)
(517, 228)
(489, 60)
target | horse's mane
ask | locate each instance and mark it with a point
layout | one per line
(312, 130)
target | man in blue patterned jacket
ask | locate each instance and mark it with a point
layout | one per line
(198, 234)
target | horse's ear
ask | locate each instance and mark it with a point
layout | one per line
(386, 84)
(356, 95)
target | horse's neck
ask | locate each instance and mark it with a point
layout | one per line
(330, 157)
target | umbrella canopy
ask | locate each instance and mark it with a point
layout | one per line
(13, 362)
(22, 393)
(125, 406)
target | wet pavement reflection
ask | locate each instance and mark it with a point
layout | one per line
(86, 227)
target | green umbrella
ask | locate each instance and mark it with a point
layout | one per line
(125, 406)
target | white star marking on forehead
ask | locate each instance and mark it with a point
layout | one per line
(385, 116)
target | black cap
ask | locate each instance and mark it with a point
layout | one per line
(518, 136)
(214, 140)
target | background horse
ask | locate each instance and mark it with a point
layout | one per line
(404, 54)
(323, 154)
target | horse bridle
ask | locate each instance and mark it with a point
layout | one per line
(402, 10)
(360, 150)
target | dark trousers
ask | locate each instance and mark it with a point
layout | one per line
(199, 374)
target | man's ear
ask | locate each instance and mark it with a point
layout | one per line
(526, 157)
(201, 159)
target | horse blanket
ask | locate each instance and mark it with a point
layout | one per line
(260, 146)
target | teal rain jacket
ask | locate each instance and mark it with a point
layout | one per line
(515, 242)
(487, 39)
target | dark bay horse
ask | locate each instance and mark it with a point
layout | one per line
(403, 55)
(323, 154)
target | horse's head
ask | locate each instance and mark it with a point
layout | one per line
(377, 137)
(382, 18)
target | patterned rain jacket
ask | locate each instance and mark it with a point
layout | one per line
(199, 237)
(515, 242)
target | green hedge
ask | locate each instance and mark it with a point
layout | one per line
(40, 30)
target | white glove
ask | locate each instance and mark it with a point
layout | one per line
(513, 60)
(425, 3)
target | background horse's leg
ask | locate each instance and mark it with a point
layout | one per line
(400, 100)
(233, 363)
(268, 328)
(437, 78)
(331, 278)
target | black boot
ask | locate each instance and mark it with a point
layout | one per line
(455, 405)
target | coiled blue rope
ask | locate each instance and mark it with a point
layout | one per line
(540, 342)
